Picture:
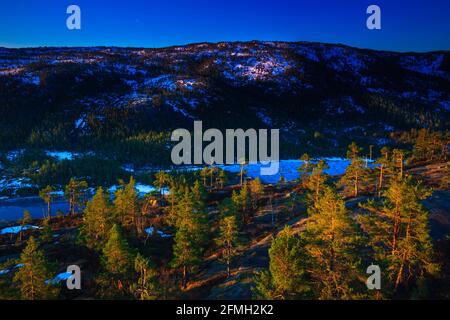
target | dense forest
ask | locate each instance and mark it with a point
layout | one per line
(197, 240)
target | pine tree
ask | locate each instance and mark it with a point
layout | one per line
(331, 242)
(212, 173)
(74, 193)
(223, 178)
(305, 168)
(399, 234)
(118, 257)
(287, 278)
(46, 231)
(316, 182)
(242, 203)
(384, 165)
(355, 173)
(96, 221)
(204, 174)
(192, 214)
(114, 281)
(242, 171)
(228, 240)
(200, 194)
(162, 180)
(245, 201)
(46, 195)
(146, 286)
(256, 190)
(125, 206)
(227, 208)
(186, 252)
(398, 156)
(24, 222)
(33, 275)
(191, 222)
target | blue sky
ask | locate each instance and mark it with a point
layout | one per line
(421, 25)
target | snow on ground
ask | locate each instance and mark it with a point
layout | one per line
(13, 155)
(151, 231)
(429, 65)
(15, 183)
(142, 189)
(61, 155)
(17, 229)
(164, 81)
(59, 277)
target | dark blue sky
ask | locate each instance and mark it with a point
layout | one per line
(420, 25)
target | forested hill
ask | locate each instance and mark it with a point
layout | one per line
(321, 96)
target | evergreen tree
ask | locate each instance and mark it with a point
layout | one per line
(96, 221)
(398, 156)
(245, 201)
(162, 180)
(355, 173)
(126, 206)
(212, 173)
(228, 240)
(47, 196)
(287, 278)
(146, 286)
(305, 169)
(399, 234)
(186, 252)
(200, 195)
(191, 222)
(223, 178)
(227, 208)
(256, 190)
(75, 194)
(33, 275)
(46, 235)
(331, 242)
(204, 174)
(117, 264)
(118, 257)
(316, 182)
(384, 165)
(24, 222)
(242, 171)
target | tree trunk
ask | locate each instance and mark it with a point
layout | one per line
(183, 281)
(316, 196)
(380, 184)
(402, 266)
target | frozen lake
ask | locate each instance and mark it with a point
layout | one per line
(12, 209)
(288, 169)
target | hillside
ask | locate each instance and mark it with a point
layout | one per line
(321, 96)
